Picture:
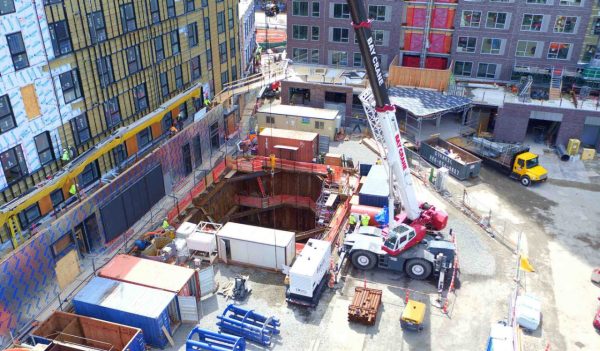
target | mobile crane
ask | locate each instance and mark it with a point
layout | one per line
(406, 247)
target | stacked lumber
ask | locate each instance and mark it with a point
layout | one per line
(365, 306)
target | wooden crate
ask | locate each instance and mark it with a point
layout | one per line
(365, 306)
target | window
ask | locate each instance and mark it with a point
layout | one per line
(13, 164)
(175, 48)
(299, 32)
(526, 48)
(315, 33)
(7, 118)
(89, 175)
(221, 22)
(378, 36)
(300, 55)
(43, 145)
(339, 35)
(159, 48)
(233, 73)
(206, 28)
(341, 11)
(112, 112)
(189, 6)
(486, 70)
(97, 27)
(491, 46)
(565, 24)
(204, 3)
(559, 51)
(164, 84)
(154, 11)
(470, 19)
(30, 215)
(496, 20)
(192, 34)
(171, 8)
(339, 58)
(62, 245)
(178, 77)
(570, 2)
(463, 68)
(319, 125)
(589, 53)
(223, 52)
(270, 120)
(232, 46)
(134, 61)
(537, 1)
(314, 56)
(6, 7)
(167, 121)
(57, 197)
(377, 12)
(230, 20)
(69, 82)
(466, 44)
(316, 9)
(144, 138)
(195, 69)
(357, 60)
(532, 23)
(81, 129)
(61, 39)
(17, 51)
(209, 59)
(300, 8)
(224, 78)
(140, 97)
(105, 71)
(128, 18)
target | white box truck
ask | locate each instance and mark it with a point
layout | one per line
(309, 273)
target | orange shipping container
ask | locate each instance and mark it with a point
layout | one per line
(288, 144)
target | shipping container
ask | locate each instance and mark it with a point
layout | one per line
(182, 281)
(88, 332)
(256, 246)
(153, 311)
(325, 122)
(460, 163)
(364, 169)
(376, 189)
(288, 144)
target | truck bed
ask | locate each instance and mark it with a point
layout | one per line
(459, 162)
(503, 164)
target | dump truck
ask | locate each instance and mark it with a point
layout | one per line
(460, 163)
(515, 160)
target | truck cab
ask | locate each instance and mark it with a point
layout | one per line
(527, 170)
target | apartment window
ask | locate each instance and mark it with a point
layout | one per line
(141, 97)
(232, 46)
(559, 51)
(105, 71)
(97, 27)
(209, 59)
(144, 138)
(224, 78)
(89, 175)
(543, 2)
(159, 48)
(6, 7)
(314, 56)
(189, 6)
(178, 77)
(230, 20)
(319, 125)
(13, 164)
(588, 53)
(7, 118)
(134, 61)
(43, 145)
(570, 2)
(339, 58)
(315, 33)
(300, 8)
(378, 37)
(57, 197)
(69, 82)
(17, 51)
(175, 48)
(112, 112)
(532, 23)
(466, 44)
(233, 73)
(154, 11)
(491, 46)
(204, 3)
(377, 12)
(339, 35)
(171, 8)
(206, 28)
(223, 52)
(221, 22)
(506, 1)
(164, 84)
(357, 59)
(300, 55)
(316, 9)
(341, 11)
(526, 48)
(192, 34)
(128, 18)
(299, 32)
(565, 24)
(486, 70)
(61, 39)
(462, 68)
(167, 121)
(270, 120)
(496, 20)
(195, 69)
(81, 129)
(30, 215)
(470, 19)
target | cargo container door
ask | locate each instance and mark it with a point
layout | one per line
(207, 281)
(188, 309)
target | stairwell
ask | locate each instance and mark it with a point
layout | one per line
(556, 83)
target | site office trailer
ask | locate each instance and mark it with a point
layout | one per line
(288, 144)
(256, 246)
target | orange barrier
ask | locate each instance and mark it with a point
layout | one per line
(218, 170)
(337, 222)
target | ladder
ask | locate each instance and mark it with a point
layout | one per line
(426, 30)
(261, 187)
(322, 213)
(15, 230)
(556, 83)
(525, 88)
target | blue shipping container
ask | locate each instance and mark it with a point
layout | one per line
(375, 190)
(129, 304)
(364, 169)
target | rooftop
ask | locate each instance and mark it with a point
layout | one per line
(289, 134)
(300, 111)
(425, 102)
(256, 234)
(327, 75)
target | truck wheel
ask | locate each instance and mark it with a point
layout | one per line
(525, 181)
(364, 260)
(418, 268)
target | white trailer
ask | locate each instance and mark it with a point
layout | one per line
(309, 273)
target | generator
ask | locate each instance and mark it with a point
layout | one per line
(309, 274)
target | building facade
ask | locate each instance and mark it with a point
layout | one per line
(247, 36)
(320, 32)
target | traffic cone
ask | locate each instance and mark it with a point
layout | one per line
(407, 297)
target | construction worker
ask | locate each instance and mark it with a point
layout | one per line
(364, 220)
(73, 189)
(165, 224)
(173, 129)
(66, 155)
(378, 161)
(207, 102)
(352, 220)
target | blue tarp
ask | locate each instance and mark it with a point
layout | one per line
(382, 217)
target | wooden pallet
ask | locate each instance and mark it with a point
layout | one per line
(365, 306)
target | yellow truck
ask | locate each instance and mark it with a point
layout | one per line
(513, 159)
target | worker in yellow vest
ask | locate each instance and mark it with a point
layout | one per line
(364, 220)
(165, 223)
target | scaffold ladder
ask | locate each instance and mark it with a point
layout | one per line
(426, 30)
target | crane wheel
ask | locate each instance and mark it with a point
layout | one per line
(418, 269)
(364, 260)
